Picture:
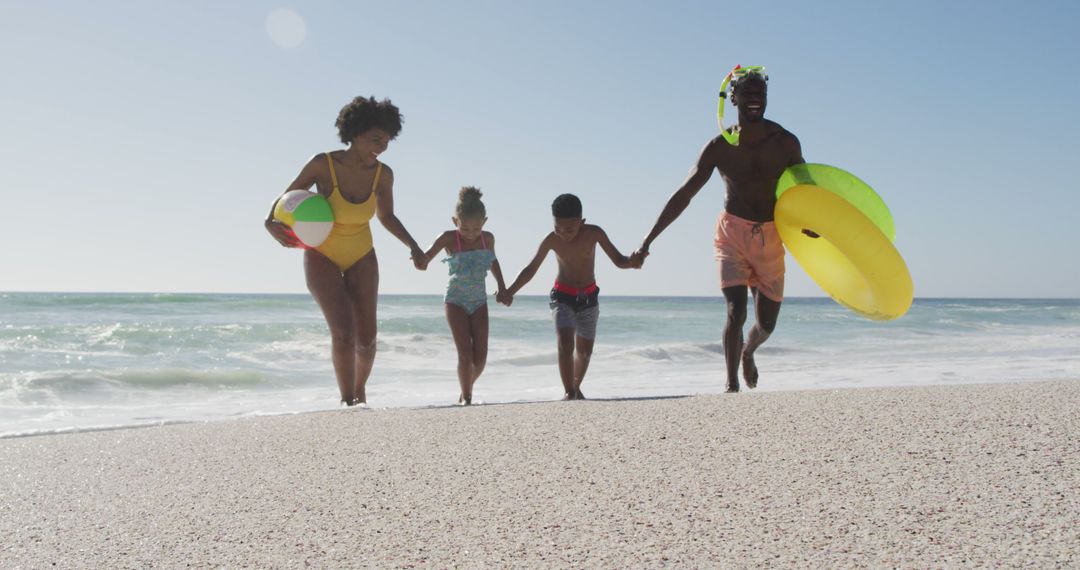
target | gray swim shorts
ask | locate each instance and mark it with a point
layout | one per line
(582, 321)
(579, 312)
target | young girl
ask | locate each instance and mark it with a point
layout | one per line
(471, 253)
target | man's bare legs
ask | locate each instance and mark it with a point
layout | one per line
(733, 336)
(767, 311)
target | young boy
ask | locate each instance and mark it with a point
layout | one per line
(575, 296)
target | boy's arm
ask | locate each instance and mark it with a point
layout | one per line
(620, 260)
(530, 269)
(496, 269)
(699, 175)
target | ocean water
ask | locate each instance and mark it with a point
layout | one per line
(94, 361)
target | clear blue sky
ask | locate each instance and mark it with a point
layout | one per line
(142, 142)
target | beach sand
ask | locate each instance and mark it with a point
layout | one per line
(925, 477)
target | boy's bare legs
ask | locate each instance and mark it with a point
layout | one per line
(326, 285)
(733, 338)
(582, 355)
(767, 312)
(566, 362)
(460, 327)
(362, 282)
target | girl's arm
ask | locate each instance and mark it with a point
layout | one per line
(304, 181)
(530, 269)
(440, 243)
(384, 209)
(620, 260)
(496, 269)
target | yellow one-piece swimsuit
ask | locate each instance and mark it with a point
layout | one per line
(350, 238)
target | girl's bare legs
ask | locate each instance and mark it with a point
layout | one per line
(461, 329)
(478, 328)
(362, 283)
(327, 286)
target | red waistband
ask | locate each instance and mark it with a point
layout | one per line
(586, 290)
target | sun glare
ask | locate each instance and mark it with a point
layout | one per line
(286, 28)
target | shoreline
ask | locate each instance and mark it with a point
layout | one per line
(482, 403)
(972, 474)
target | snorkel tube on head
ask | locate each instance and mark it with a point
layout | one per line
(732, 136)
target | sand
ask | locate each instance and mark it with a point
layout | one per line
(969, 475)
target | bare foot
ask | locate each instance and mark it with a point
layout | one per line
(568, 396)
(732, 388)
(579, 395)
(749, 370)
(463, 401)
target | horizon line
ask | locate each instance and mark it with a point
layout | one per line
(823, 297)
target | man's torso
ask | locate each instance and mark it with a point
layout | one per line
(751, 170)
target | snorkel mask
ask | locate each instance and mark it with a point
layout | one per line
(739, 72)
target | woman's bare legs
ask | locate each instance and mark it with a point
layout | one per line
(362, 284)
(326, 285)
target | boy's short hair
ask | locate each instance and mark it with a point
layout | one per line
(365, 113)
(566, 206)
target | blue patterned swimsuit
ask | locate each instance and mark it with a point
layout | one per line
(468, 271)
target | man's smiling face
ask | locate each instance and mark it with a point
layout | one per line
(750, 97)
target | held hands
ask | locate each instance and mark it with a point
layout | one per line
(637, 259)
(419, 259)
(282, 233)
(503, 296)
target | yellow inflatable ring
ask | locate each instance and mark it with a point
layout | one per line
(852, 260)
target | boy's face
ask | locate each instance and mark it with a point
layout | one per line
(567, 228)
(470, 228)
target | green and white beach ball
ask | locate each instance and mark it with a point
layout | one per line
(308, 214)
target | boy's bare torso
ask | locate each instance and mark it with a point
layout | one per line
(577, 257)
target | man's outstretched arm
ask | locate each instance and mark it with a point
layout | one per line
(695, 181)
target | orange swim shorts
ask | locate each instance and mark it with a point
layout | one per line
(750, 253)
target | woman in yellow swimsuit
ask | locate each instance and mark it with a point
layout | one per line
(343, 273)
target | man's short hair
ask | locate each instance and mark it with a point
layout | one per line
(749, 76)
(566, 206)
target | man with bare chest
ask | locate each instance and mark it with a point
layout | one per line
(748, 248)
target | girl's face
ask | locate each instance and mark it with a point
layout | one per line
(470, 228)
(371, 143)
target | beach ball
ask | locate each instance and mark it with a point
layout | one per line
(308, 214)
